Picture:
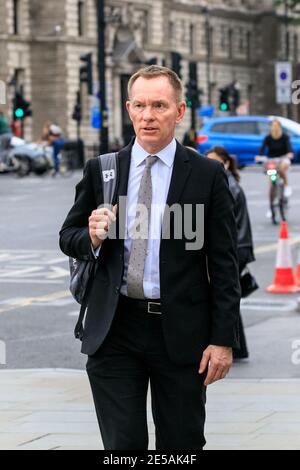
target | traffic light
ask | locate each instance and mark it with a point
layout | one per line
(86, 71)
(152, 61)
(77, 115)
(224, 99)
(192, 90)
(21, 106)
(176, 63)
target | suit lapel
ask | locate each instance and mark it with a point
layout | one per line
(180, 174)
(124, 159)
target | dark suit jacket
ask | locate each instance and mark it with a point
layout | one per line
(200, 290)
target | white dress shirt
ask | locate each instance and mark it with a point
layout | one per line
(161, 172)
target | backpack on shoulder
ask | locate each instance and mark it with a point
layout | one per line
(82, 271)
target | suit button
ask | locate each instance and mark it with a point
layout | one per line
(117, 290)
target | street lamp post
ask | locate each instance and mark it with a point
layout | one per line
(102, 84)
(287, 45)
(208, 53)
(286, 20)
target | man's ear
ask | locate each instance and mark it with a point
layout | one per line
(128, 108)
(181, 112)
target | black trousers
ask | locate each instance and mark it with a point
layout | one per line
(133, 354)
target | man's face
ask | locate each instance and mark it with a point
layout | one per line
(154, 112)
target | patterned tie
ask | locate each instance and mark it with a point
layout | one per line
(136, 266)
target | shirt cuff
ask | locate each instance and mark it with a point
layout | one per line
(96, 251)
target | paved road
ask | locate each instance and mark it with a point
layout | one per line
(37, 315)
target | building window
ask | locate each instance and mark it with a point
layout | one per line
(230, 44)
(223, 38)
(241, 41)
(80, 9)
(249, 39)
(171, 32)
(16, 17)
(192, 39)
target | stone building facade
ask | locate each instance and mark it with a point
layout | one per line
(41, 44)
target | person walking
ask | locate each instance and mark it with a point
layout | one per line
(57, 142)
(158, 311)
(245, 241)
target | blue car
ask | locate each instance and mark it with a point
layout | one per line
(243, 135)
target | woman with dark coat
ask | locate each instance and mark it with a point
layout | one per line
(245, 242)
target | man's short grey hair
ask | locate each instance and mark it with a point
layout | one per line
(155, 71)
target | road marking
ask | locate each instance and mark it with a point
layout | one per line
(273, 246)
(26, 302)
(269, 305)
(21, 266)
(21, 272)
(58, 272)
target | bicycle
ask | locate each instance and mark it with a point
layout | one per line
(277, 200)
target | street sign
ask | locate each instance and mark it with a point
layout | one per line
(95, 117)
(283, 95)
(283, 74)
(283, 81)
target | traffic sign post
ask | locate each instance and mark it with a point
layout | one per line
(283, 81)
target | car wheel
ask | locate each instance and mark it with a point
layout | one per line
(23, 166)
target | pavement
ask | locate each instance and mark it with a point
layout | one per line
(52, 409)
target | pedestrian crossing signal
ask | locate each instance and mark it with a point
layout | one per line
(224, 99)
(224, 107)
(19, 113)
(21, 106)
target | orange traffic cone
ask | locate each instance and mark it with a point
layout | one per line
(298, 271)
(284, 281)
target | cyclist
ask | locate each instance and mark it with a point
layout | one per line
(279, 148)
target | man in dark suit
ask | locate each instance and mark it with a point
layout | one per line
(159, 311)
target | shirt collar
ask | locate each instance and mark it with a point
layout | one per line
(166, 155)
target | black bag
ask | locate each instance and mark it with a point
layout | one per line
(82, 271)
(248, 283)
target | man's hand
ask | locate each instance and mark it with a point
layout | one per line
(219, 359)
(99, 223)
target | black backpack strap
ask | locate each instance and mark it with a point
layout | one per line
(108, 164)
(109, 175)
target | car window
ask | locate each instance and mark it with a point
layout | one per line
(242, 127)
(220, 127)
(264, 127)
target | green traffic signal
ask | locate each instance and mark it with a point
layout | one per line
(189, 103)
(19, 113)
(224, 107)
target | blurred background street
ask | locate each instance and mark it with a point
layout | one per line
(37, 313)
(64, 72)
